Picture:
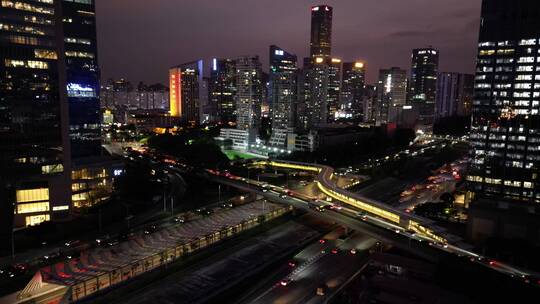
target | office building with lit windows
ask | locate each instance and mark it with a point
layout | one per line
(352, 88)
(423, 83)
(222, 89)
(505, 132)
(391, 95)
(35, 145)
(282, 94)
(186, 95)
(49, 106)
(321, 31)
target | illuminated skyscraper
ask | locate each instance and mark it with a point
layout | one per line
(423, 82)
(321, 31)
(334, 87)
(391, 94)
(49, 106)
(322, 77)
(317, 93)
(249, 93)
(352, 88)
(222, 89)
(506, 110)
(282, 93)
(185, 91)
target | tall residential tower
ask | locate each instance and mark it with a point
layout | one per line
(352, 88)
(282, 93)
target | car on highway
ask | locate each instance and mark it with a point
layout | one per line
(335, 251)
(292, 264)
(353, 251)
(227, 205)
(72, 243)
(102, 239)
(112, 242)
(362, 215)
(150, 229)
(179, 220)
(51, 256)
(283, 195)
(321, 290)
(285, 282)
(336, 206)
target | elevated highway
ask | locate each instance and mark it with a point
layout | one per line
(381, 221)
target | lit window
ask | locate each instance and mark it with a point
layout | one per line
(527, 42)
(505, 51)
(28, 7)
(37, 219)
(32, 208)
(45, 54)
(524, 77)
(78, 41)
(526, 59)
(487, 52)
(32, 195)
(60, 208)
(525, 68)
(79, 54)
(51, 169)
(32, 64)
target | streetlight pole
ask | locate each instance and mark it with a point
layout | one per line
(12, 244)
(164, 198)
(172, 205)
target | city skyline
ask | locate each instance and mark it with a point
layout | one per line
(451, 27)
(301, 152)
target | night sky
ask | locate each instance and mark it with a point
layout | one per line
(141, 39)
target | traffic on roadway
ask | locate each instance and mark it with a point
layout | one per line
(412, 227)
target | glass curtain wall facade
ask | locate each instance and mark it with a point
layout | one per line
(506, 121)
